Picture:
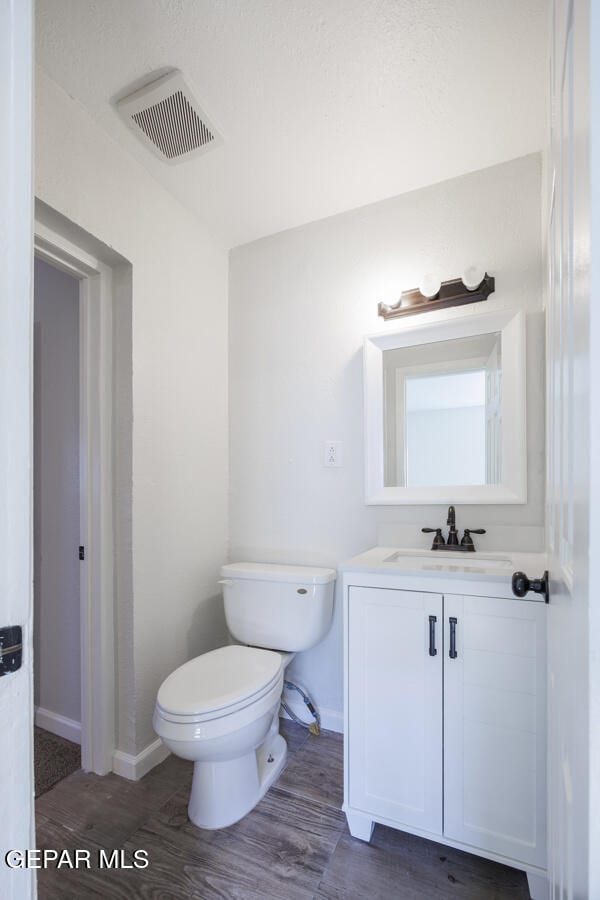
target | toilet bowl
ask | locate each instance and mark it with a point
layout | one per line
(221, 709)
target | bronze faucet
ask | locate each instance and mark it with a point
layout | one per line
(466, 544)
(452, 532)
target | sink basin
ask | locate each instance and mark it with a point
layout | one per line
(420, 565)
(447, 558)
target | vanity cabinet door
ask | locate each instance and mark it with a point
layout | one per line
(395, 705)
(494, 725)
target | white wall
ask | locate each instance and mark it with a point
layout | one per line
(300, 303)
(170, 608)
(56, 636)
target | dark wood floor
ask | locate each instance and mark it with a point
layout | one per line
(294, 846)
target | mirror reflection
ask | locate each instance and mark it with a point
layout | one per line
(443, 413)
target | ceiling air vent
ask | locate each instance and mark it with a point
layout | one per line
(166, 117)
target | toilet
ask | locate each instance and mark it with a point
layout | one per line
(221, 709)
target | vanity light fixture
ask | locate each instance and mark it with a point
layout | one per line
(474, 286)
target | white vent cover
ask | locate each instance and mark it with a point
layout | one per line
(166, 117)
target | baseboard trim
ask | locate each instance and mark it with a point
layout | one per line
(135, 767)
(57, 724)
(331, 719)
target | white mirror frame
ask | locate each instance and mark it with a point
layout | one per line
(511, 325)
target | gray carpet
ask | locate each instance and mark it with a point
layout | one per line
(54, 759)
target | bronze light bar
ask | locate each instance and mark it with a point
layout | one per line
(451, 293)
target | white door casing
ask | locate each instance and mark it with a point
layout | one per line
(98, 730)
(16, 347)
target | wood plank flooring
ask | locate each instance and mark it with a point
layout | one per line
(294, 846)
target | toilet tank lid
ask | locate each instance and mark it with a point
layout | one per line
(275, 572)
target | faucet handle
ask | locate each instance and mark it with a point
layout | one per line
(467, 540)
(438, 540)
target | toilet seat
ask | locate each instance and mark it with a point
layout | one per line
(218, 684)
(208, 728)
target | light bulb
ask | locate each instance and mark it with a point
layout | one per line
(472, 277)
(430, 286)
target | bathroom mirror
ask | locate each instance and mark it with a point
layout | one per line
(445, 412)
(433, 393)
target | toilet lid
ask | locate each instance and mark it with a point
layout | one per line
(218, 679)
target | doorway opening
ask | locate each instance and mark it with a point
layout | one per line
(83, 372)
(56, 525)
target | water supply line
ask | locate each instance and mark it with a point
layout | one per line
(313, 727)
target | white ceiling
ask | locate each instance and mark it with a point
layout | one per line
(324, 105)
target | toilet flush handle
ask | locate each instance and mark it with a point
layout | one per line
(225, 581)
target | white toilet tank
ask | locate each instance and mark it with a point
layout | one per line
(278, 607)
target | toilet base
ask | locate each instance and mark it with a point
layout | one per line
(224, 792)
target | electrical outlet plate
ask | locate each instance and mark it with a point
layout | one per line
(332, 454)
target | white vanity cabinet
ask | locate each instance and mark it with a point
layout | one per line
(494, 726)
(445, 713)
(395, 691)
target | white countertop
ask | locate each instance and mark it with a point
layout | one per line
(491, 567)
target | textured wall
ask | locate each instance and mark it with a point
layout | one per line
(300, 304)
(56, 492)
(179, 397)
